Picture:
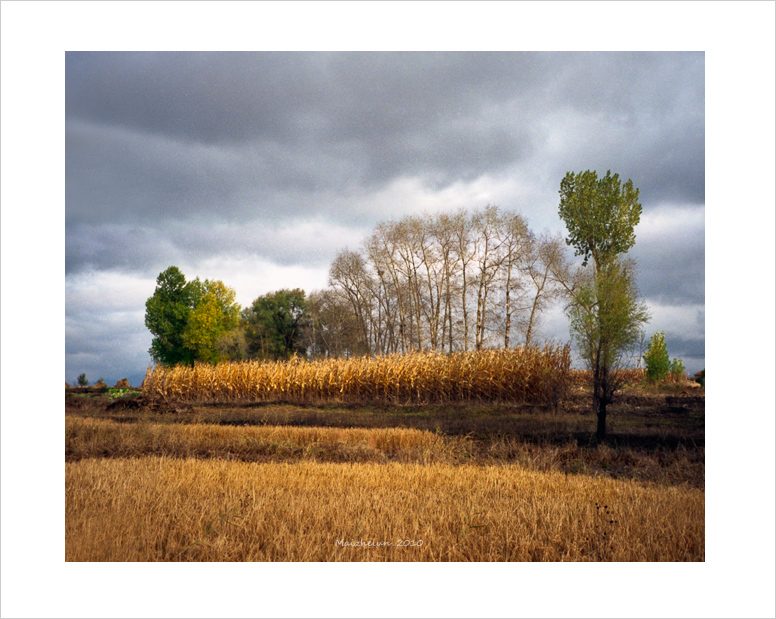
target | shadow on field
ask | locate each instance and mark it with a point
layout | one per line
(642, 422)
(652, 437)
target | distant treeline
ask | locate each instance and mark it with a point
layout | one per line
(447, 283)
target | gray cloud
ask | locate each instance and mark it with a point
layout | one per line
(189, 129)
(144, 249)
(671, 256)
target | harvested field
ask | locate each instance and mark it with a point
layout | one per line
(166, 480)
(161, 509)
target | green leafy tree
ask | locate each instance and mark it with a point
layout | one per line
(82, 380)
(600, 215)
(275, 325)
(215, 314)
(676, 370)
(188, 319)
(606, 319)
(167, 314)
(656, 358)
(605, 313)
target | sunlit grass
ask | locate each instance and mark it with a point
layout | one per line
(88, 437)
(162, 509)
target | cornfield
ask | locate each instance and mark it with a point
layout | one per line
(535, 375)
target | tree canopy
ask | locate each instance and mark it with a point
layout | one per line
(275, 324)
(188, 318)
(215, 314)
(606, 317)
(167, 314)
(600, 215)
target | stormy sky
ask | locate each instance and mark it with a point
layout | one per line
(256, 168)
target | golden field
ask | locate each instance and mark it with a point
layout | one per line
(471, 457)
(90, 438)
(523, 374)
(165, 509)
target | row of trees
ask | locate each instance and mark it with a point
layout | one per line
(201, 321)
(449, 282)
(462, 281)
(445, 283)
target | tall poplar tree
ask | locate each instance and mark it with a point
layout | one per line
(605, 313)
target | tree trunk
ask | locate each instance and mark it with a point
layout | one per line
(508, 308)
(600, 394)
(601, 429)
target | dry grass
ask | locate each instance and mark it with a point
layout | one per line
(89, 438)
(632, 378)
(473, 482)
(670, 467)
(521, 375)
(158, 509)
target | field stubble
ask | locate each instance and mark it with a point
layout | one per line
(282, 481)
(87, 437)
(162, 509)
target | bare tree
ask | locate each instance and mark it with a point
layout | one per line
(349, 273)
(545, 262)
(444, 232)
(489, 258)
(515, 242)
(465, 252)
(452, 281)
(334, 330)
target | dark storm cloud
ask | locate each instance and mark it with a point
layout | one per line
(671, 257)
(171, 134)
(673, 273)
(232, 97)
(684, 348)
(142, 249)
(212, 98)
(114, 174)
(117, 248)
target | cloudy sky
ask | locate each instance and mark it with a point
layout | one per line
(257, 168)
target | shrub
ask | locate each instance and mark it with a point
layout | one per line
(82, 380)
(701, 380)
(656, 358)
(676, 370)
